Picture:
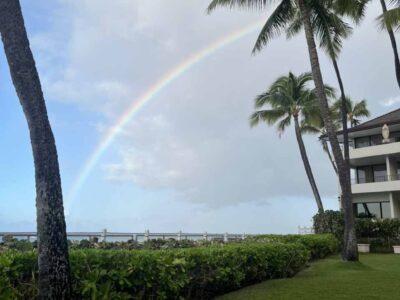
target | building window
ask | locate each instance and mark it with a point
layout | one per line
(376, 140)
(379, 173)
(380, 210)
(394, 137)
(362, 142)
(361, 175)
(375, 173)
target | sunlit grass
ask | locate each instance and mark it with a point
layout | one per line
(376, 276)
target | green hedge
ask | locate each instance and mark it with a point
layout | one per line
(195, 273)
(319, 245)
(381, 234)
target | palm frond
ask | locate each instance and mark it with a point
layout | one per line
(390, 19)
(283, 124)
(309, 128)
(276, 23)
(295, 26)
(330, 28)
(354, 9)
(270, 116)
(288, 96)
(246, 4)
(360, 109)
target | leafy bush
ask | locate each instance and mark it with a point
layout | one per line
(319, 245)
(381, 234)
(12, 243)
(330, 221)
(194, 273)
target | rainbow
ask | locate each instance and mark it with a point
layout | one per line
(149, 94)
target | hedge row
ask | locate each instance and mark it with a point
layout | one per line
(319, 245)
(10, 243)
(193, 273)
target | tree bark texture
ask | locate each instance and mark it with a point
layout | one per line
(54, 279)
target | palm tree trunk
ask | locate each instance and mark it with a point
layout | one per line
(344, 113)
(344, 124)
(350, 252)
(328, 152)
(394, 45)
(307, 166)
(54, 280)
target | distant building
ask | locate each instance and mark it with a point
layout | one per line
(375, 166)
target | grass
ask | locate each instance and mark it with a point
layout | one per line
(376, 276)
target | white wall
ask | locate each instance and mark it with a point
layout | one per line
(378, 150)
(376, 187)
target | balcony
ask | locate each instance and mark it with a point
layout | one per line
(385, 183)
(373, 154)
(379, 178)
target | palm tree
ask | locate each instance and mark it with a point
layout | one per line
(355, 110)
(390, 19)
(290, 99)
(54, 281)
(281, 19)
(330, 30)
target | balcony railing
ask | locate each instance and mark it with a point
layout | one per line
(374, 142)
(382, 178)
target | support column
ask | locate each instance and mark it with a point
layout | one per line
(391, 168)
(392, 208)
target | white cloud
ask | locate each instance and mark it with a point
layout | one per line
(391, 101)
(194, 139)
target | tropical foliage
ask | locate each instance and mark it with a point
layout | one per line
(195, 273)
(382, 234)
(290, 99)
(355, 110)
(319, 20)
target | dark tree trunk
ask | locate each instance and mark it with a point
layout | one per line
(54, 281)
(350, 252)
(307, 166)
(328, 151)
(394, 45)
(347, 207)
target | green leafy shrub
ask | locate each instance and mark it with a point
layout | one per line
(195, 273)
(381, 234)
(319, 245)
(330, 221)
(152, 244)
(10, 242)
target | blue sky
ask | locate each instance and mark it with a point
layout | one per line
(188, 160)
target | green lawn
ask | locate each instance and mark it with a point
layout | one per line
(376, 276)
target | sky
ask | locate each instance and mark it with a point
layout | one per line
(188, 159)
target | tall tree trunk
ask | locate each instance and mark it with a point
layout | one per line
(328, 152)
(350, 252)
(394, 45)
(307, 166)
(344, 123)
(54, 280)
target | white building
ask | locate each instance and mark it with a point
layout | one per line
(375, 166)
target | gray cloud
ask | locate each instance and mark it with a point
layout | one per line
(194, 138)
